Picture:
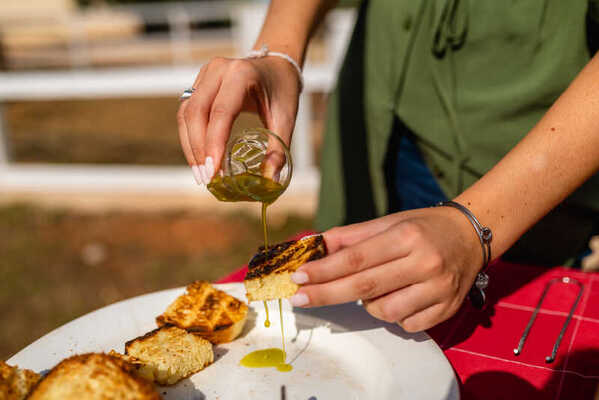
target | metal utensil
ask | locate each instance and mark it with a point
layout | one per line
(524, 336)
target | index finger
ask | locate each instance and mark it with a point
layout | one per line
(378, 249)
(227, 104)
(341, 237)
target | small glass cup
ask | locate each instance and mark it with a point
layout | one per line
(256, 166)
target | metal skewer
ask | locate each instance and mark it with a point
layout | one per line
(566, 280)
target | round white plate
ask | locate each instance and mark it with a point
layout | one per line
(337, 352)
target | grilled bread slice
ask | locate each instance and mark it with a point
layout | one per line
(207, 312)
(269, 272)
(15, 383)
(93, 376)
(170, 353)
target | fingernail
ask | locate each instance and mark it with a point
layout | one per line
(209, 168)
(196, 174)
(203, 174)
(299, 277)
(299, 300)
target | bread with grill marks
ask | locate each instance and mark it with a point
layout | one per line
(207, 312)
(269, 271)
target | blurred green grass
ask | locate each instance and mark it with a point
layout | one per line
(56, 265)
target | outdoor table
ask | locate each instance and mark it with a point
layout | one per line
(480, 344)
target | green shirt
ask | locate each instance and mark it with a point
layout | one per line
(468, 78)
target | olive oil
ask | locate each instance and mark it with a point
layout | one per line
(282, 330)
(266, 321)
(245, 187)
(264, 228)
(251, 187)
(266, 358)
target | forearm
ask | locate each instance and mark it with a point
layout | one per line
(555, 157)
(289, 25)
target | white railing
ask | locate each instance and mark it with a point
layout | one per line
(146, 81)
(152, 81)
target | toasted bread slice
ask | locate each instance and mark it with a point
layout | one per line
(171, 353)
(138, 367)
(207, 312)
(93, 376)
(269, 274)
(16, 383)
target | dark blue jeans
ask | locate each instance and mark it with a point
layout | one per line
(415, 185)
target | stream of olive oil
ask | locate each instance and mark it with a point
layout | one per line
(264, 228)
(282, 330)
(268, 357)
(272, 357)
(266, 321)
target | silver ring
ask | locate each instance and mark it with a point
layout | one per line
(187, 93)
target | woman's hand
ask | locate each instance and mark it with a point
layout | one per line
(413, 268)
(224, 88)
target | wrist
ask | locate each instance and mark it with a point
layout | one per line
(468, 238)
(264, 51)
(476, 294)
(296, 51)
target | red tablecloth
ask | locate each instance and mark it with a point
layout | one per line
(479, 344)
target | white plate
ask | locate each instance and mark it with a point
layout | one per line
(337, 352)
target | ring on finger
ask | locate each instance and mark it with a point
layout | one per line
(187, 93)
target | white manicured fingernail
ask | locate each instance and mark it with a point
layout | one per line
(196, 174)
(299, 299)
(203, 174)
(299, 277)
(209, 168)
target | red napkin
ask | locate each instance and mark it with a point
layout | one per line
(480, 344)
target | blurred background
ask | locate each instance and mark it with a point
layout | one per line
(96, 201)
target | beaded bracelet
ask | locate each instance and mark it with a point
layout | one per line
(476, 295)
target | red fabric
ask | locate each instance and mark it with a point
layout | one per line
(235, 276)
(479, 344)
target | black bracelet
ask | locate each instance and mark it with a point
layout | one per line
(476, 295)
